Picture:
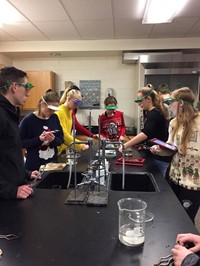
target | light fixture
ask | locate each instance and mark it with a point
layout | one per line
(161, 11)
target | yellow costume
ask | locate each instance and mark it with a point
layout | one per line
(65, 117)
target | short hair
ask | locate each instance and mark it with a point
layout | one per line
(110, 100)
(9, 75)
(163, 88)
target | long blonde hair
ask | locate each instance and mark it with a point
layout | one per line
(72, 92)
(156, 101)
(186, 118)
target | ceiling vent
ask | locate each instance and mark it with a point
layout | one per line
(130, 58)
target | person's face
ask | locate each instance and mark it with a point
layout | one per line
(45, 110)
(144, 103)
(21, 93)
(174, 107)
(110, 111)
(73, 103)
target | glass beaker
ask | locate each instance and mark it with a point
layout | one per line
(131, 221)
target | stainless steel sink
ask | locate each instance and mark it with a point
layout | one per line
(138, 181)
(58, 180)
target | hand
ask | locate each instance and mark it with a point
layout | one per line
(24, 191)
(155, 149)
(47, 136)
(179, 253)
(121, 138)
(35, 175)
(85, 147)
(195, 239)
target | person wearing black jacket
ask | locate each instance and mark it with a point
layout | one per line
(14, 90)
(183, 255)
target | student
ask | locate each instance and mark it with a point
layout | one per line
(184, 133)
(14, 91)
(164, 93)
(155, 124)
(112, 124)
(70, 101)
(186, 256)
(78, 127)
(41, 132)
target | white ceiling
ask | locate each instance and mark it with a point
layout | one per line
(67, 20)
(40, 20)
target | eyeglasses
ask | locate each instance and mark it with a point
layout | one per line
(52, 107)
(139, 99)
(78, 102)
(26, 86)
(171, 100)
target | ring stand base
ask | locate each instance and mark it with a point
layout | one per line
(97, 198)
(79, 197)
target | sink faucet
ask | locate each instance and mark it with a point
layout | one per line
(107, 142)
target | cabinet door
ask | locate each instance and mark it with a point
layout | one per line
(42, 81)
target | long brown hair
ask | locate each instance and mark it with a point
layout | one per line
(186, 118)
(156, 101)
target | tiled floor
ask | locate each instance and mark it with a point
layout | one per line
(197, 221)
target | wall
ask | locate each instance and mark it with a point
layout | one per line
(110, 70)
(4, 60)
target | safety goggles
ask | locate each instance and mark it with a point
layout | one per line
(111, 107)
(171, 100)
(27, 86)
(51, 107)
(77, 102)
(139, 99)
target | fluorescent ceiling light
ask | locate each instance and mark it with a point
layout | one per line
(8, 14)
(161, 11)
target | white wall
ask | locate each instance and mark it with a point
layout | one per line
(4, 60)
(110, 70)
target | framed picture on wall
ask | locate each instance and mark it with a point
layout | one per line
(90, 90)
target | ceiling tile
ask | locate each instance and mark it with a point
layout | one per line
(128, 9)
(88, 9)
(41, 10)
(24, 31)
(58, 30)
(6, 37)
(98, 29)
(176, 29)
(194, 31)
(131, 29)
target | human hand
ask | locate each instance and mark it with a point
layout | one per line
(121, 138)
(47, 136)
(155, 149)
(181, 239)
(179, 253)
(85, 147)
(35, 175)
(24, 191)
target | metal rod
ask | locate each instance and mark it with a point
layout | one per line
(123, 159)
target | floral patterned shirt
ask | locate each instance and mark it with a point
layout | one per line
(185, 169)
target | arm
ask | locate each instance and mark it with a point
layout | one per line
(123, 128)
(183, 256)
(82, 129)
(135, 140)
(65, 118)
(24, 129)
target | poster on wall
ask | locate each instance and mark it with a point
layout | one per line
(90, 89)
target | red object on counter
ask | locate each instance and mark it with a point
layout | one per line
(131, 161)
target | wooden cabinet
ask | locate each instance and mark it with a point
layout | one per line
(42, 81)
